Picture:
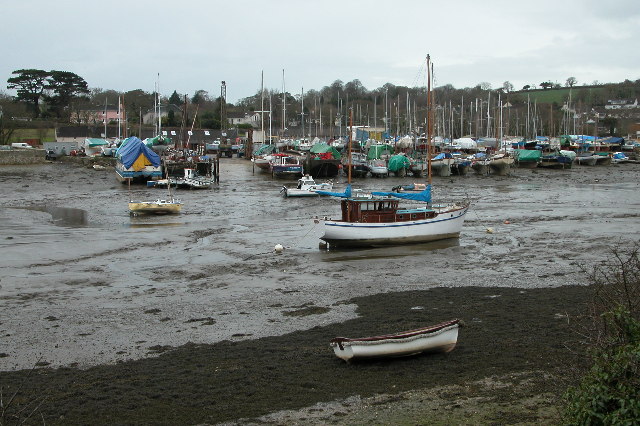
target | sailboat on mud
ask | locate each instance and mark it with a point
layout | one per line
(160, 206)
(379, 218)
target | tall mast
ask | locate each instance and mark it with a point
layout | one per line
(302, 110)
(119, 117)
(223, 106)
(105, 117)
(270, 123)
(462, 117)
(501, 133)
(321, 129)
(429, 119)
(159, 112)
(284, 108)
(262, 106)
(350, 133)
(124, 118)
(375, 114)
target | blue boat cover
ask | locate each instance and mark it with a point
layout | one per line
(613, 140)
(345, 194)
(424, 196)
(132, 148)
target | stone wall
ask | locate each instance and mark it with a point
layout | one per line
(21, 156)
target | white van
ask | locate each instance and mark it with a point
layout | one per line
(20, 145)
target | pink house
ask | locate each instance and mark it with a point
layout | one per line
(96, 115)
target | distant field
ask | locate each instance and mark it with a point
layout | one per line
(559, 96)
(44, 135)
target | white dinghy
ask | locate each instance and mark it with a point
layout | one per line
(436, 338)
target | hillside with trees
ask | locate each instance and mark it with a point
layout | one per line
(60, 97)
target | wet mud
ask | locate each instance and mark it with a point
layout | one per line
(195, 319)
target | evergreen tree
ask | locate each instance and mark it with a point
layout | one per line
(30, 85)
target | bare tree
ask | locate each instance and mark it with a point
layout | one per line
(571, 81)
(507, 86)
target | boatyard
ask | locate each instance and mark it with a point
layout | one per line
(105, 305)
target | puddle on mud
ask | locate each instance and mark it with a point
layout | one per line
(153, 225)
(63, 216)
(345, 254)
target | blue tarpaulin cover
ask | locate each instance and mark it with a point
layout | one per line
(424, 196)
(132, 148)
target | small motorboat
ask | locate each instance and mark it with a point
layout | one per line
(414, 187)
(306, 187)
(379, 168)
(436, 338)
(619, 157)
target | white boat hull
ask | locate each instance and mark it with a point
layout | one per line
(294, 192)
(440, 338)
(307, 187)
(346, 234)
(379, 171)
(501, 166)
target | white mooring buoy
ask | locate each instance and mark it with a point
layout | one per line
(278, 248)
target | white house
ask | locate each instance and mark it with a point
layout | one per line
(253, 119)
(621, 104)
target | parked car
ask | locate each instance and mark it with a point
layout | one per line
(50, 155)
(20, 145)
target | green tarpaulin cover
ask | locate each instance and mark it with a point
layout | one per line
(375, 151)
(158, 140)
(321, 148)
(528, 154)
(398, 162)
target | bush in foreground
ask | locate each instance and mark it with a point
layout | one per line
(608, 393)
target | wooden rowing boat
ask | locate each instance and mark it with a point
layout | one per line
(436, 338)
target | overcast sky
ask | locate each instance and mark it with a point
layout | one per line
(195, 44)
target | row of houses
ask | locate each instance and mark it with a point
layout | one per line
(111, 114)
(621, 104)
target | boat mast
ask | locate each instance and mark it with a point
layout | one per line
(262, 106)
(105, 117)
(119, 119)
(193, 123)
(124, 118)
(159, 111)
(429, 119)
(302, 111)
(270, 121)
(350, 133)
(462, 117)
(501, 132)
(284, 106)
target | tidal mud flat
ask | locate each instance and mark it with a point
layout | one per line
(123, 316)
